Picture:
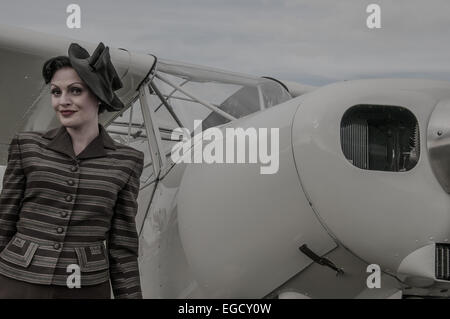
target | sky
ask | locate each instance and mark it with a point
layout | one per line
(310, 41)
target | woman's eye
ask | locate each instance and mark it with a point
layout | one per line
(76, 90)
(55, 92)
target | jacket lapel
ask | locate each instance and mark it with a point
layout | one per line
(61, 142)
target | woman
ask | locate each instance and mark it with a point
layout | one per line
(67, 190)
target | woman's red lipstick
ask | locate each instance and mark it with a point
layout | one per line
(67, 113)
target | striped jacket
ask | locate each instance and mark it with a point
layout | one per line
(58, 209)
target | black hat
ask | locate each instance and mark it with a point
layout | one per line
(99, 74)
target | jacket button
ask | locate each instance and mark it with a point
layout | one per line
(68, 198)
(74, 168)
(56, 246)
(63, 214)
(59, 230)
(70, 182)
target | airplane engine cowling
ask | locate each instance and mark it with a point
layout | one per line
(371, 182)
(241, 229)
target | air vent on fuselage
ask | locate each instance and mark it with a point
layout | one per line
(442, 260)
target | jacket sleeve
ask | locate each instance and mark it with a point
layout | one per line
(14, 183)
(123, 241)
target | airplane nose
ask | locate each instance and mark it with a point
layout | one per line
(438, 143)
(363, 162)
(430, 264)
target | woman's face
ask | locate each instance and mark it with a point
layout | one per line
(72, 100)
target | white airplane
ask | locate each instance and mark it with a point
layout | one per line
(363, 179)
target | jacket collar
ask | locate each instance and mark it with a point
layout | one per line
(61, 141)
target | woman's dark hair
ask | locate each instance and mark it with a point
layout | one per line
(54, 64)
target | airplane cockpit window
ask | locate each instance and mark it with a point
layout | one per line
(243, 102)
(181, 95)
(247, 100)
(274, 93)
(381, 138)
